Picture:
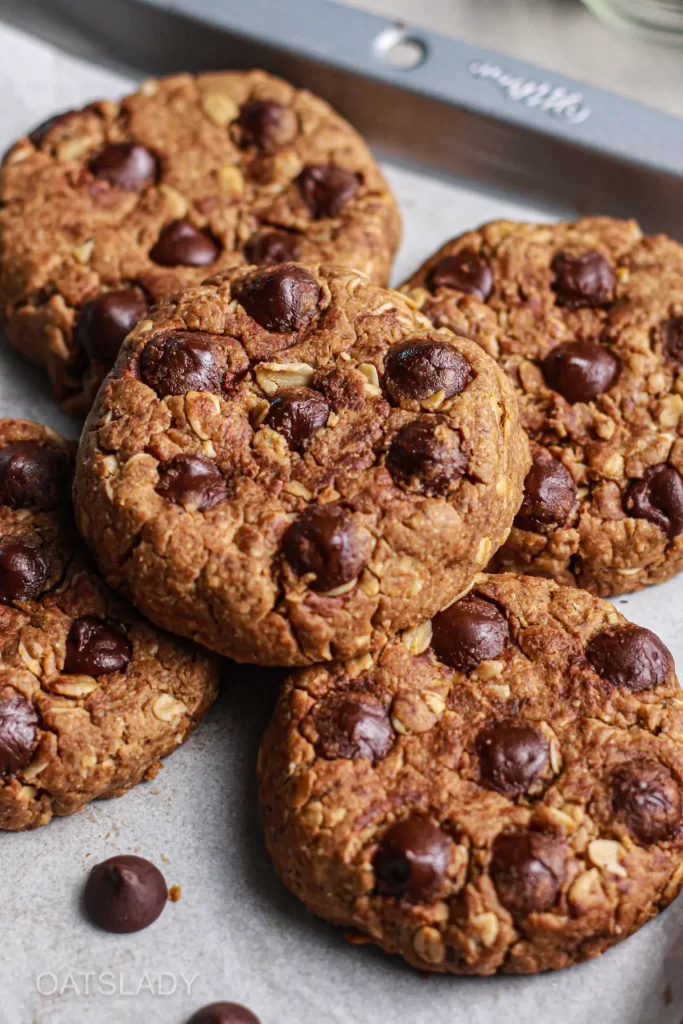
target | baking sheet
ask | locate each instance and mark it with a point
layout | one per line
(237, 934)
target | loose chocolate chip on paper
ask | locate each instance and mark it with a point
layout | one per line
(193, 482)
(297, 413)
(180, 361)
(580, 370)
(581, 281)
(465, 271)
(412, 860)
(630, 657)
(326, 189)
(326, 542)
(125, 894)
(648, 799)
(18, 729)
(513, 753)
(23, 570)
(281, 300)
(468, 632)
(104, 323)
(352, 726)
(658, 497)
(95, 648)
(125, 165)
(527, 869)
(34, 475)
(181, 244)
(420, 368)
(550, 493)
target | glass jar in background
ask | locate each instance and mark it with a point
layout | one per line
(655, 19)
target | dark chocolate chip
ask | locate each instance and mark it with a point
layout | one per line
(412, 860)
(23, 570)
(95, 648)
(425, 456)
(267, 125)
(34, 475)
(40, 132)
(549, 493)
(181, 244)
(647, 798)
(419, 369)
(326, 542)
(658, 497)
(193, 482)
(18, 729)
(673, 339)
(583, 281)
(181, 361)
(468, 632)
(104, 323)
(465, 271)
(631, 657)
(125, 165)
(326, 189)
(224, 1013)
(281, 300)
(512, 755)
(297, 413)
(580, 370)
(352, 725)
(125, 894)
(273, 247)
(527, 869)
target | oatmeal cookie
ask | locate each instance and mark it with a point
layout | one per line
(497, 790)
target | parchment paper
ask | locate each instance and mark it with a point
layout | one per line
(237, 934)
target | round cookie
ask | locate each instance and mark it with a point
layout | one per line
(587, 320)
(498, 790)
(91, 696)
(289, 463)
(106, 210)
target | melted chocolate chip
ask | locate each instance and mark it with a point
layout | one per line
(658, 497)
(411, 860)
(673, 339)
(281, 300)
(125, 165)
(549, 493)
(297, 413)
(40, 132)
(512, 755)
(181, 361)
(326, 542)
(647, 798)
(465, 271)
(193, 482)
(630, 657)
(326, 189)
(104, 323)
(425, 456)
(181, 244)
(419, 369)
(95, 648)
(468, 632)
(583, 281)
(527, 869)
(224, 1013)
(580, 370)
(18, 728)
(33, 475)
(125, 894)
(352, 725)
(267, 125)
(23, 570)
(273, 247)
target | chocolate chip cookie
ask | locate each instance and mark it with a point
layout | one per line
(289, 463)
(90, 695)
(587, 321)
(104, 211)
(497, 790)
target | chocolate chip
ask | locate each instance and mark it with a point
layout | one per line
(273, 247)
(33, 475)
(583, 281)
(267, 125)
(580, 370)
(425, 456)
(103, 324)
(549, 493)
(224, 1013)
(23, 570)
(419, 369)
(125, 894)
(193, 482)
(326, 542)
(512, 755)
(281, 300)
(648, 799)
(95, 648)
(326, 189)
(658, 497)
(352, 725)
(181, 244)
(527, 869)
(125, 165)
(673, 339)
(181, 361)
(40, 132)
(630, 657)
(465, 271)
(468, 632)
(411, 860)
(18, 728)
(297, 413)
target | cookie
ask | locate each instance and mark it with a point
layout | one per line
(587, 320)
(91, 696)
(106, 210)
(497, 790)
(289, 463)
